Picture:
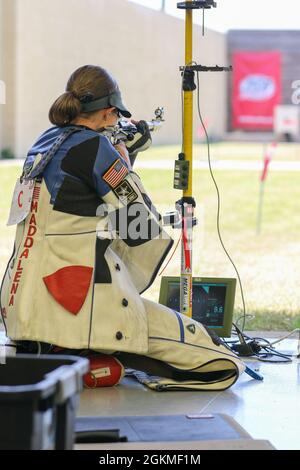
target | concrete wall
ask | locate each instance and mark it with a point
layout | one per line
(1, 73)
(8, 72)
(142, 48)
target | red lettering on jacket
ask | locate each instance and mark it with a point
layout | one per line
(31, 231)
(32, 220)
(24, 253)
(14, 288)
(19, 199)
(28, 244)
(34, 206)
(17, 277)
(20, 267)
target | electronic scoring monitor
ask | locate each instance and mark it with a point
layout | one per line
(213, 300)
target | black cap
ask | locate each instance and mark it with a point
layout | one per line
(112, 100)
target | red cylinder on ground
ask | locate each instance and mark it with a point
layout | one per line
(105, 371)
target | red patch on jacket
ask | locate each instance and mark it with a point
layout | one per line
(69, 286)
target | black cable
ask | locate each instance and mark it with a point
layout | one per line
(242, 317)
(254, 338)
(267, 358)
(272, 352)
(182, 111)
(219, 204)
(252, 349)
(240, 334)
(257, 338)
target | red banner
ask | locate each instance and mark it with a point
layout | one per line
(256, 89)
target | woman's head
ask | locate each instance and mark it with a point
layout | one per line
(82, 98)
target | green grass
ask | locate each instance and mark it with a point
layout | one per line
(268, 264)
(227, 151)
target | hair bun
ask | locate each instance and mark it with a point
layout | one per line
(71, 93)
(65, 109)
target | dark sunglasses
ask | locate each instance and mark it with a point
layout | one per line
(117, 112)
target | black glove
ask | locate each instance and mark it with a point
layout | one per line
(142, 141)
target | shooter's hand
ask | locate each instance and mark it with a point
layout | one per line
(142, 140)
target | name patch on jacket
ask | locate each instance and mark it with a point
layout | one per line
(21, 201)
(115, 174)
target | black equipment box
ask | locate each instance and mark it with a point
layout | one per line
(39, 396)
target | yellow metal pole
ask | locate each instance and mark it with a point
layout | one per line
(186, 275)
(188, 102)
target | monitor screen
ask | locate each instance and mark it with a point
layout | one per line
(213, 301)
(208, 302)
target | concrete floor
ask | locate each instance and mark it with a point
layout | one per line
(267, 410)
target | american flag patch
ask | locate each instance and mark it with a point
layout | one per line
(115, 174)
(36, 192)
